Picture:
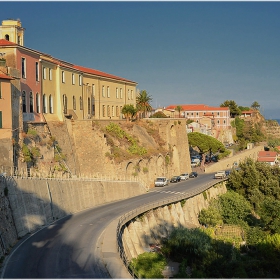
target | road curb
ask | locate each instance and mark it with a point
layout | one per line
(110, 253)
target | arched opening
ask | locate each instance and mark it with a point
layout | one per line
(7, 37)
(64, 104)
(74, 103)
(38, 109)
(45, 110)
(31, 102)
(23, 102)
(51, 104)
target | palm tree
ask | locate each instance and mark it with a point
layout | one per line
(143, 100)
(179, 108)
(255, 105)
(129, 111)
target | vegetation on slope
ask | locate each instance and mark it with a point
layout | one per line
(239, 235)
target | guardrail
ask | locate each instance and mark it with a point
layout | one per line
(146, 207)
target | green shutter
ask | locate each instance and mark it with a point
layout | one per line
(0, 119)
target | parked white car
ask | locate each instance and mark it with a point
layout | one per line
(184, 176)
(161, 182)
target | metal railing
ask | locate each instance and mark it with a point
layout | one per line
(146, 207)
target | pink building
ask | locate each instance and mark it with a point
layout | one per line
(219, 117)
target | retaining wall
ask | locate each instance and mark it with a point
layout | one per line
(155, 224)
(35, 203)
(228, 163)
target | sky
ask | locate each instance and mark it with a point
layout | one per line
(179, 52)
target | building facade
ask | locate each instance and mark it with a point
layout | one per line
(51, 89)
(211, 117)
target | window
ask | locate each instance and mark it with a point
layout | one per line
(73, 79)
(37, 71)
(23, 67)
(113, 111)
(103, 110)
(74, 103)
(81, 103)
(0, 119)
(218, 113)
(218, 121)
(51, 104)
(88, 106)
(197, 113)
(117, 93)
(80, 80)
(128, 96)
(132, 94)
(23, 102)
(31, 102)
(38, 103)
(45, 105)
(108, 92)
(50, 74)
(224, 121)
(117, 111)
(64, 104)
(103, 91)
(93, 90)
(108, 111)
(63, 76)
(121, 93)
(44, 73)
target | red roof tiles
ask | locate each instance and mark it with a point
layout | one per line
(99, 73)
(267, 154)
(4, 42)
(198, 107)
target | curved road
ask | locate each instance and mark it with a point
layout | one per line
(71, 247)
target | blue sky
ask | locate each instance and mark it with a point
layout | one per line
(179, 52)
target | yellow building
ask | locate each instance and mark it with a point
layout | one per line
(59, 89)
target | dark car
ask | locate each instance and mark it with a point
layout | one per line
(227, 172)
(175, 179)
(193, 174)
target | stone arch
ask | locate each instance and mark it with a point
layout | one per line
(160, 165)
(129, 168)
(176, 158)
(172, 131)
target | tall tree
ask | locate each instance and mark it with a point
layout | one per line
(233, 108)
(143, 101)
(255, 105)
(129, 111)
(179, 109)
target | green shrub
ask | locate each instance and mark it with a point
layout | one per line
(148, 265)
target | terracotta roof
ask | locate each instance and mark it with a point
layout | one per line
(266, 159)
(4, 42)
(198, 107)
(100, 73)
(248, 112)
(267, 154)
(4, 76)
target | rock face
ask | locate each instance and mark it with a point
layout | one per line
(91, 150)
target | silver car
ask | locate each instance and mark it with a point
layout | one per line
(161, 182)
(184, 176)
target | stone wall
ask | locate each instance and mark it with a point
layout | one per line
(87, 156)
(228, 163)
(35, 203)
(8, 231)
(154, 225)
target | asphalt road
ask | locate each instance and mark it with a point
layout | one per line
(71, 247)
